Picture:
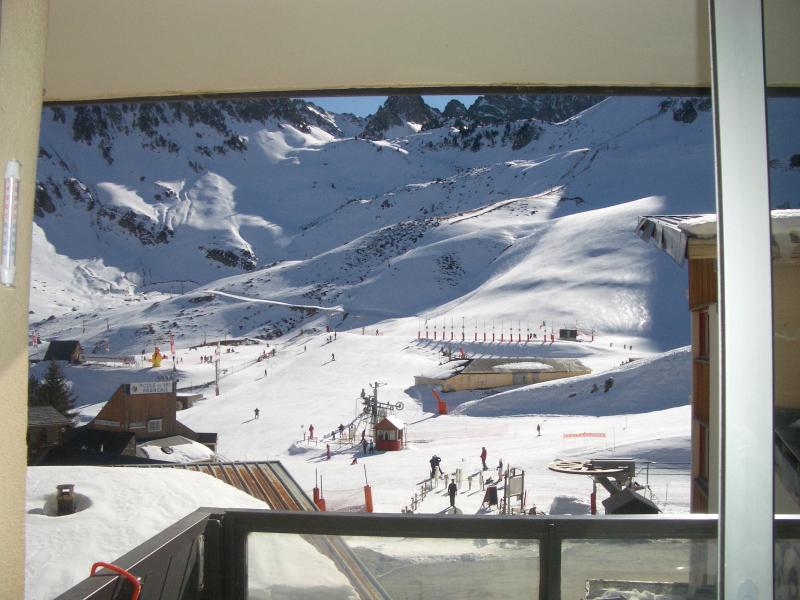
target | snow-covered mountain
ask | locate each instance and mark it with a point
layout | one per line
(282, 202)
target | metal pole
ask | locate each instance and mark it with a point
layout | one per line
(745, 294)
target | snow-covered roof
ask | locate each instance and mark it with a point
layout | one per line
(177, 449)
(394, 421)
(528, 365)
(446, 370)
(671, 233)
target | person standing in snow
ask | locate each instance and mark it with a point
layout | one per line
(333, 358)
(364, 446)
(538, 430)
(341, 430)
(452, 489)
(310, 431)
(484, 454)
(256, 412)
(327, 451)
(371, 447)
(435, 465)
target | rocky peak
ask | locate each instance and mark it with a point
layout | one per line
(397, 111)
(454, 110)
(497, 108)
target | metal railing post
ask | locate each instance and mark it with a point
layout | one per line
(550, 564)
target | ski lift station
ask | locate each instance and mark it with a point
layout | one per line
(389, 434)
(488, 373)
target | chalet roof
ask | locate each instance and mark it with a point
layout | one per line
(61, 349)
(64, 456)
(111, 442)
(392, 421)
(46, 416)
(672, 233)
(524, 365)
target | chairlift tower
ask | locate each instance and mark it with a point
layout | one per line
(375, 410)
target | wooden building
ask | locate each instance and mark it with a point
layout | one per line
(148, 410)
(489, 373)
(389, 434)
(66, 350)
(692, 239)
(47, 428)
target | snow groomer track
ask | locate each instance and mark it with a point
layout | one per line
(270, 482)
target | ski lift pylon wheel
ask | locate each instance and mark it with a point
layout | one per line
(398, 406)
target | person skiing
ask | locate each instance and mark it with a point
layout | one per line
(364, 445)
(310, 431)
(538, 430)
(371, 447)
(333, 358)
(341, 430)
(256, 412)
(484, 454)
(327, 451)
(452, 489)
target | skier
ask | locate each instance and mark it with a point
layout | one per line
(371, 447)
(364, 446)
(538, 430)
(452, 489)
(310, 431)
(341, 430)
(333, 358)
(256, 412)
(327, 451)
(484, 454)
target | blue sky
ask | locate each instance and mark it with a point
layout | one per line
(367, 105)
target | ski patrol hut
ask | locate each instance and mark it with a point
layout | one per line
(389, 434)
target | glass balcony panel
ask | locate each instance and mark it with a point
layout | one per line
(316, 566)
(787, 569)
(655, 568)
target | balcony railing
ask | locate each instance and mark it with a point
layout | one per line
(237, 554)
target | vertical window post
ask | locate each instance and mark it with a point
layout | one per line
(746, 389)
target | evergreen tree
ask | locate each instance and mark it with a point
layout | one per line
(33, 391)
(54, 390)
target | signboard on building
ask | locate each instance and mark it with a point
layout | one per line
(151, 387)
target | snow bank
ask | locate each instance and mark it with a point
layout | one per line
(124, 507)
(128, 506)
(569, 505)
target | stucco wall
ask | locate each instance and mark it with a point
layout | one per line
(22, 40)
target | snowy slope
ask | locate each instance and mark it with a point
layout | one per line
(334, 221)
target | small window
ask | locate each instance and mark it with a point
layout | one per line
(702, 452)
(154, 425)
(702, 334)
(137, 425)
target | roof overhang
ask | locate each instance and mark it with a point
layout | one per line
(117, 49)
(695, 236)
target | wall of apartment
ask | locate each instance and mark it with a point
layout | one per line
(23, 26)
